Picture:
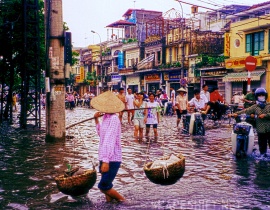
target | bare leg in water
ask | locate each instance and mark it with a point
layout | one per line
(113, 194)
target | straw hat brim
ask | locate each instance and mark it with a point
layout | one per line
(107, 102)
(181, 90)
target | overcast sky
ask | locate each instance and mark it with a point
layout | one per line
(82, 16)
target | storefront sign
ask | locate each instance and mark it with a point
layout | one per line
(116, 78)
(213, 73)
(82, 73)
(152, 77)
(240, 62)
(227, 44)
(172, 76)
(152, 38)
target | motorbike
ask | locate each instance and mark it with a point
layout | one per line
(242, 138)
(193, 124)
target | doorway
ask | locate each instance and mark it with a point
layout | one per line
(153, 87)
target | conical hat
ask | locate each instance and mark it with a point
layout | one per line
(181, 90)
(107, 102)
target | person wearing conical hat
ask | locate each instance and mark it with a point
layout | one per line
(181, 104)
(110, 151)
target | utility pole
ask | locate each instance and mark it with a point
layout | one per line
(55, 71)
(182, 45)
(100, 57)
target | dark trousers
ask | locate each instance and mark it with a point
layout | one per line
(263, 138)
(218, 109)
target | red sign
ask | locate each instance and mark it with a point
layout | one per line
(250, 63)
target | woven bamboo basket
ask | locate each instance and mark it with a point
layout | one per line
(156, 175)
(78, 184)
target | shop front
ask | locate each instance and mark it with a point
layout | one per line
(152, 81)
(172, 79)
(133, 82)
(115, 82)
(238, 80)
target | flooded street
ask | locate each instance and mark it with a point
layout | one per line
(213, 178)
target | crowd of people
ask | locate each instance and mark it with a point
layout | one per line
(74, 99)
(144, 113)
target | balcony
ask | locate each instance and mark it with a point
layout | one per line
(130, 44)
(126, 71)
(112, 70)
(115, 43)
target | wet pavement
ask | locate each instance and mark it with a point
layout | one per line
(213, 178)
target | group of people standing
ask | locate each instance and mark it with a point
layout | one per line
(75, 99)
(139, 111)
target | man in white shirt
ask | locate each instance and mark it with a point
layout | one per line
(199, 102)
(172, 96)
(205, 92)
(130, 105)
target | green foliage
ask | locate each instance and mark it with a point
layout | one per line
(74, 58)
(130, 40)
(12, 41)
(208, 60)
(65, 26)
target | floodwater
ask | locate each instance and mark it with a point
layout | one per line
(213, 178)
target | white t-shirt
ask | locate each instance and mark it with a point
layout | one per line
(130, 99)
(173, 97)
(152, 113)
(199, 104)
(207, 94)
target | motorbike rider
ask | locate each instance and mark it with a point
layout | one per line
(249, 99)
(262, 110)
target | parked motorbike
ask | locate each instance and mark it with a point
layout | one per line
(242, 138)
(193, 124)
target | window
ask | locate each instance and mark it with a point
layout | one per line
(176, 54)
(255, 43)
(170, 55)
(159, 57)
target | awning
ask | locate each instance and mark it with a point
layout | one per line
(242, 76)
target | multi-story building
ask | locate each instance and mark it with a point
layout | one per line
(248, 35)
(132, 34)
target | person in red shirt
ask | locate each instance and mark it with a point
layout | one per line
(216, 104)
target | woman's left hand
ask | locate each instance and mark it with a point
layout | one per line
(104, 167)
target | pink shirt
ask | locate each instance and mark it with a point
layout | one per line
(110, 139)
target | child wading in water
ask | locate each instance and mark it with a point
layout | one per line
(152, 115)
(139, 116)
(110, 151)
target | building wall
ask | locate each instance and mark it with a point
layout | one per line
(237, 33)
(132, 54)
(133, 80)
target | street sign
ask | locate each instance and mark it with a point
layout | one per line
(183, 81)
(250, 63)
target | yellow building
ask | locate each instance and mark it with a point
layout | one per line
(248, 35)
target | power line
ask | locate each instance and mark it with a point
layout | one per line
(216, 5)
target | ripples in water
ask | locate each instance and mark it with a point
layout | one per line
(213, 179)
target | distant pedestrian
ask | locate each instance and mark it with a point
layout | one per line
(181, 104)
(130, 106)
(205, 92)
(122, 97)
(110, 150)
